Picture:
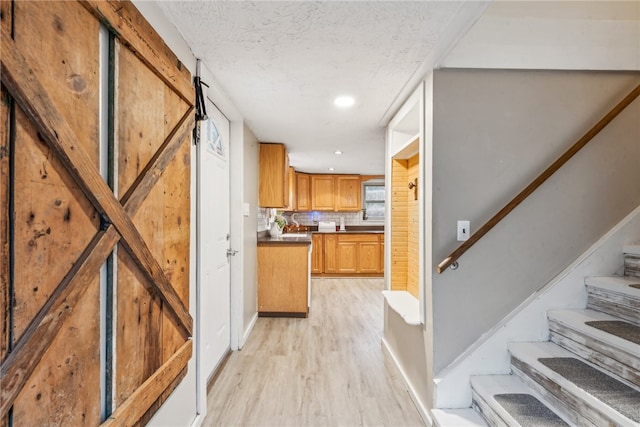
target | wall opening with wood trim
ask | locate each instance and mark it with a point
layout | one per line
(95, 190)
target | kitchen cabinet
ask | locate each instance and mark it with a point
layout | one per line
(322, 193)
(348, 193)
(292, 198)
(337, 193)
(369, 256)
(273, 178)
(330, 241)
(381, 270)
(303, 192)
(358, 253)
(283, 280)
(317, 253)
(349, 253)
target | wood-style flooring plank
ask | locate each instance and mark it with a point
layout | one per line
(328, 369)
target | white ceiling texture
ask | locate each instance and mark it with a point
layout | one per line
(282, 63)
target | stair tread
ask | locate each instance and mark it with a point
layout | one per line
(617, 396)
(465, 417)
(576, 320)
(632, 249)
(618, 284)
(515, 402)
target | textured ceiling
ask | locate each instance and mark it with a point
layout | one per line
(283, 63)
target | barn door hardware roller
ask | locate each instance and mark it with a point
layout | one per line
(201, 109)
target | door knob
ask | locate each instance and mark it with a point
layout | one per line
(231, 252)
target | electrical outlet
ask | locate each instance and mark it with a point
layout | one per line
(463, 231)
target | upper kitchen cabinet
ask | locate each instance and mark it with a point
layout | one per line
(339, 193)
(348, 193)
(292, 200)
(303, 192)
(322, 193)
(274, 176)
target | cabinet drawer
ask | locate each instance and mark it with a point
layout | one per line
(371, 237)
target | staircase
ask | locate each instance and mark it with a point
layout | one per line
(588, 374)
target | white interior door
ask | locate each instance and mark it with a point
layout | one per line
(213, 237)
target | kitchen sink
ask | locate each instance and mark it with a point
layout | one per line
(293, 235)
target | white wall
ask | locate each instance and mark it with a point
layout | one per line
(495, 131)
(250, 226)
(578, 35)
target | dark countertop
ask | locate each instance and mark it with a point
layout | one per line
(350, 232)
(265, 239)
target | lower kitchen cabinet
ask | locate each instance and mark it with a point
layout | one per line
(317, 253)
(283, 280)
(348, 253)
(330, 253)
(369, 257)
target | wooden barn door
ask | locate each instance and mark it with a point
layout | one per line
(95, 117)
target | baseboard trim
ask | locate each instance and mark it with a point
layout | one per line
(248, 331)
(424, 413)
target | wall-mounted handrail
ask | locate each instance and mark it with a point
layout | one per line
(453, 257)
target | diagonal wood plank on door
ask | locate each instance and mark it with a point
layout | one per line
(18, 366)
(31, 96)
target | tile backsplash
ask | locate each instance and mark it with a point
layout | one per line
(312, 218)
(263, 219)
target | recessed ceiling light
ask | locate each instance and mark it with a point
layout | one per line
(331, 169)
(344, 101)
(337, 152)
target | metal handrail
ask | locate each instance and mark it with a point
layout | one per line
(452, 259)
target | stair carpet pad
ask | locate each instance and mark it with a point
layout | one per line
(618, 328)
(528, 410)
(615, 394)
(570, 385)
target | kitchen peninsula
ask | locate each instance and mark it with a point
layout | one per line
(284, 283)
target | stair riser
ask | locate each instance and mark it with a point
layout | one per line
(620, 363)
(480, 405)
(565, 403)
(632, 265)
(614, 304)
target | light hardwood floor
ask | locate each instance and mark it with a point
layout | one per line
(326, 370)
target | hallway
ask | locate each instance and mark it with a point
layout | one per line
(326, 370)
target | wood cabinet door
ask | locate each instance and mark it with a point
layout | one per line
(348, 193)
(273, 181)
(347, 257)
(282, 279)
(71, 221)
(381, 269)
(322, 193)
(317, 253)
(303, 194)
(330, 264)
(369, 257)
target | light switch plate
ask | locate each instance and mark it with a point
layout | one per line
(246, 209)
(463, 231)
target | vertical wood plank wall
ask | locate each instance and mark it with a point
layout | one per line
(399, 225)
(404, 226)
(56, 222)
(413, 258)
